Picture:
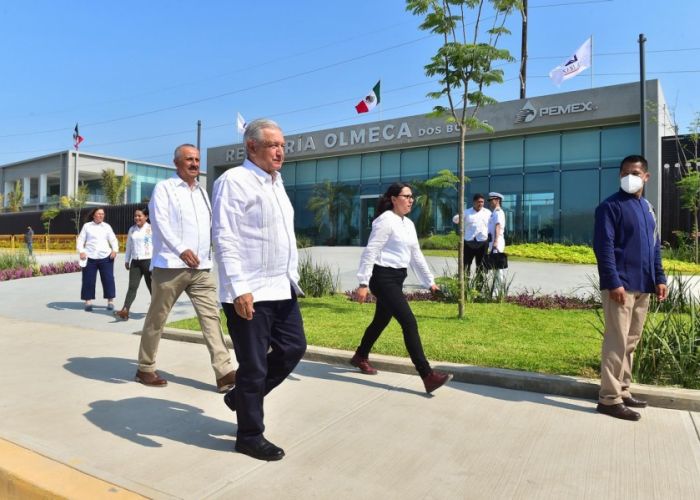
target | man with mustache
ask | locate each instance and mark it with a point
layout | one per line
(181, 215)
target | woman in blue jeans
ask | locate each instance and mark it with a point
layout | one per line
(98, 244)
(392, 247)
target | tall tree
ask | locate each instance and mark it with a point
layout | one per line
(464, 65)
(15, 198)
(76, 203)
(329, 202)
(114, 187)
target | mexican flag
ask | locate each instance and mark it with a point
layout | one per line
(370, 100)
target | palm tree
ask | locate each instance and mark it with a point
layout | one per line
(15, 198)
(426, 191)
(329, 202)
(114, 187)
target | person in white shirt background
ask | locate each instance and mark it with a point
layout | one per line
(97, 244)
(497, 229)
(392, 247)
(257, 259)
(137, 258)
(476, 233)
(180, 216)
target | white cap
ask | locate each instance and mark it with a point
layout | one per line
(494, 194)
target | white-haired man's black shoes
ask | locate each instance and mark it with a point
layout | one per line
(230, 399)
(261, 449)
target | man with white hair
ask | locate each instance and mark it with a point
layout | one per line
(256, 252)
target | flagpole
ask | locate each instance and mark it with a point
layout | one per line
(380, 102)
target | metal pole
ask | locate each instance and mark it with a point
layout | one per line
(199, 133)
(523, 52)
(642, 97)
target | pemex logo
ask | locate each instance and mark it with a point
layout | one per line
(526, 114)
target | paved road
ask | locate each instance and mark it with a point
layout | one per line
(56, 299)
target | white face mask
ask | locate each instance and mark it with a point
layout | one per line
(631, 184)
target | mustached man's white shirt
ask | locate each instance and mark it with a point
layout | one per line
(253, 231)
(180, 220)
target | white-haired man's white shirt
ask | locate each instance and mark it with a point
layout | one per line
(253, 232)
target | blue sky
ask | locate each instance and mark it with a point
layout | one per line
(137, 75)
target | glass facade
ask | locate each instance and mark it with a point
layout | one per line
(143, 179)
(551, 183)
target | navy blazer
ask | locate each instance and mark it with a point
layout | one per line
(627, 245)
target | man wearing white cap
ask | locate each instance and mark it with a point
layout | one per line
(497, 228)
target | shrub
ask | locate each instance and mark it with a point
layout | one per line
(316, 280)
(16, 260)
(440, 242)
(304, 241)
(479, 287)
(669, 350)
(530, 299)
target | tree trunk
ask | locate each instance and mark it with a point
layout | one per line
(460, 205)
(523, 53)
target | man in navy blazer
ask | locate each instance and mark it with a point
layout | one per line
(627, 246)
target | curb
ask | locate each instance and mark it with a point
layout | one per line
(558, 385)
(26, 474)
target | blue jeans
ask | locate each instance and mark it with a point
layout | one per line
(106, 268)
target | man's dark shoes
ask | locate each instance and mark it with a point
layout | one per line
(226, 383)
(151, 379)
(363, 365)
(262, 450)
(633, 402)
(435, 380)
(230, 399)
(618, 411)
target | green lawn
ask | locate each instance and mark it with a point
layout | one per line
(495, 335)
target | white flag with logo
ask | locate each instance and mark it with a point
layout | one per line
(240, 124)
(573, 65)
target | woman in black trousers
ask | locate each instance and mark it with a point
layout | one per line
(392, 247)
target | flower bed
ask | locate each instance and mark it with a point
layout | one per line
(36, 270)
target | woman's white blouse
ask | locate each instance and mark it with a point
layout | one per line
(139, 243)
(97, 240)
(393, 242)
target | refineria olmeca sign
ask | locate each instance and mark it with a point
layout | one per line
(529, 112)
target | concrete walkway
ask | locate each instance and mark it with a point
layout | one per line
(68, 395)
(69, 400)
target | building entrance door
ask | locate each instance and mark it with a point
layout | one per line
(368, 211)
